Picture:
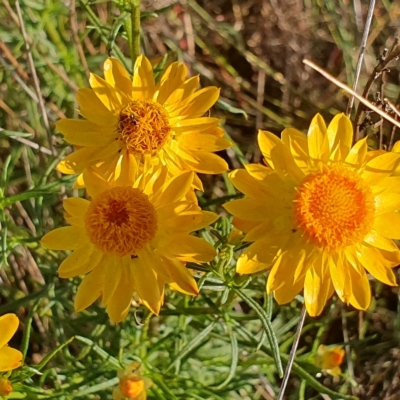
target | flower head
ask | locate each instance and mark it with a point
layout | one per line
(9, 358)
(321, 214)
(131, 384)
(134, 123)
(329, 359)
(5, 387)
(130, 239)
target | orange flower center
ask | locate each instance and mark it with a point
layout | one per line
(5, 387)
(121, 221)
(131, 386)
(334, 208)
(143, 127)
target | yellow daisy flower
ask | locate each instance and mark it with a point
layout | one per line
(133, 123)
(130, 239)
(131, 384)
(5, 387)
(329, 359)
(321, 214)
(9, 358)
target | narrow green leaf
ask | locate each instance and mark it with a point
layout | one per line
(49, 356)
(273, 342)
(103, 354)
(193, 344)
(234, 362)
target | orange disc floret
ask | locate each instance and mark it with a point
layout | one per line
(121, 221)
(143, 127)
(334, 208)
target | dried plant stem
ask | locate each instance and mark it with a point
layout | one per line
(361, 55)
(387, 57)
(135, 30)
(352, 92)
(292, 354)
(35, 77)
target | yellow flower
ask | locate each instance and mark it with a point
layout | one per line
(321, 214)
(5, 387)
(329, 359)
(9, 358)
(132, 239)
(133, 123)
(131, 384)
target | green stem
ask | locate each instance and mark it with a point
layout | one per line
(135, 30)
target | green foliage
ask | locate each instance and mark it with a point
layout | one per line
(231, 341)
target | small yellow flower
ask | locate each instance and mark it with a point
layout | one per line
(131, 384)
(235, 237)
(5, 387)
(320, 215)
(130, 239)
(132, 123)
(329, 359)
(9, 358)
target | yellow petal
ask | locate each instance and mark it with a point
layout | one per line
(190, 248)
(77, 161)
(373, 238)
(360, 291)
(146, 284)
(380, 268)
(196, 104)
(259, 256)
(340, 136)
(287, 292)
(65, 238)
(207, 163)
(117, 76)
(388, 225)
(9, 359)
(8, 326)
(106, 93)
(180, 276)
(262, 231)
(119, 304)
(76, 206)
(248, 185)
(298, 148)
(172, 78)
(112, 276)
(187, 222)
(90, 289)
(183, 91)
(387, 202)
(143, 86)
(76, 260)
(127, 169)
(85, 133)
(95, 184)
(339, 272)
(198, 141)
(194, 124)
(318, 146)
(176, 188)
(267, 142)
(244, 225)
(316, 287)
(254, 210)
(284, 163)
(356, 156)
(93, 109)
(380, 167)
(285, 267)
(258, 171)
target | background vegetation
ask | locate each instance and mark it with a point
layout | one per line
(213, 346)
